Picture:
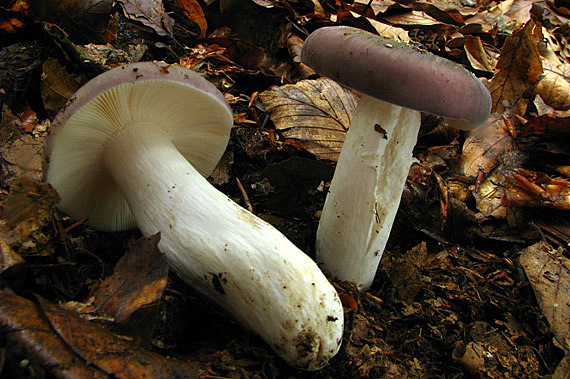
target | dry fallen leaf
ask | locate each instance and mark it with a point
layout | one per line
(315, 112)
(84, 21)
(487, 147)
(68, 346)
(130, 295)
(554, 89)
(548, 271)
(28, 208)
(150, 13)
(480, 58)
(519, 66)
(194, 12)
(57, 85)
(535, 189)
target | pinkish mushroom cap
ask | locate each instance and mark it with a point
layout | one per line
(397, 72)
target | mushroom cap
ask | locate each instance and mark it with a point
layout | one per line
(172, 99)
(397, 72)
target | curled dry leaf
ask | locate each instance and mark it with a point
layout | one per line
(480, 58)
(129, 295)
(548, 271)
(315, 112)
(490, 154)
(519, 66)
(554, 90)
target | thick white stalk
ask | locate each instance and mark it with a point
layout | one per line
(225, 252)
(366, 189)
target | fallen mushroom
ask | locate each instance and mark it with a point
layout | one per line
(397, 81)
(119, 155)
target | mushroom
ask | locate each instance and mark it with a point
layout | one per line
(397, 82)
(133, 147)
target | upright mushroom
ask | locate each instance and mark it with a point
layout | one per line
(397, 81)
(132, 147)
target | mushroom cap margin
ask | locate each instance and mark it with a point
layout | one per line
(73, 180)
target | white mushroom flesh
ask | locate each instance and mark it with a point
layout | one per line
(366, 189)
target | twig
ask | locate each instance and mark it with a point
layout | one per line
(245, 197)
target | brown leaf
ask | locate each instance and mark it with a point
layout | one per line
(57, 85)
(194, 12)
(14, 18)
(518, 67)
(480, 58)
(548, 271)
(27, 209)
(84, 20)
(554, 89)
(535, 189)
(22, 153)
(137, 282)
(486, 147)
(504, 15)
(68, 346)
(546, 125)
(150, 13)
(315, 112)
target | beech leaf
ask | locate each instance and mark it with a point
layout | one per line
(317, 113)
(548, 272)
(519, 66)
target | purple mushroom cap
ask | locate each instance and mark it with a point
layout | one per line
(397, 72)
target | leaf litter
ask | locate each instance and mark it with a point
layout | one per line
(473, 282)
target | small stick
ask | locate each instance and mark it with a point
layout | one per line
(244, 195)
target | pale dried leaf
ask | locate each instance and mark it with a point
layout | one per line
(315, 112)
(548, 271)
(486, 146)
(479, 57)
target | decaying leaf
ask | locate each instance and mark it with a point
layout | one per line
(315, 112)
(57, 85)
(519, 66)
(487, 147)
(150, 13)
(27, 209)
(130, 296)
(84, 21)
(21, 152)
(137, 282)
(67, 346)
(548, 271)
(535, 189)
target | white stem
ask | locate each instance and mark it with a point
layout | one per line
(225, 252)
(366, 189)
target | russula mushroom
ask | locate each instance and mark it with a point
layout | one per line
(133, 147)
(397, 82)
